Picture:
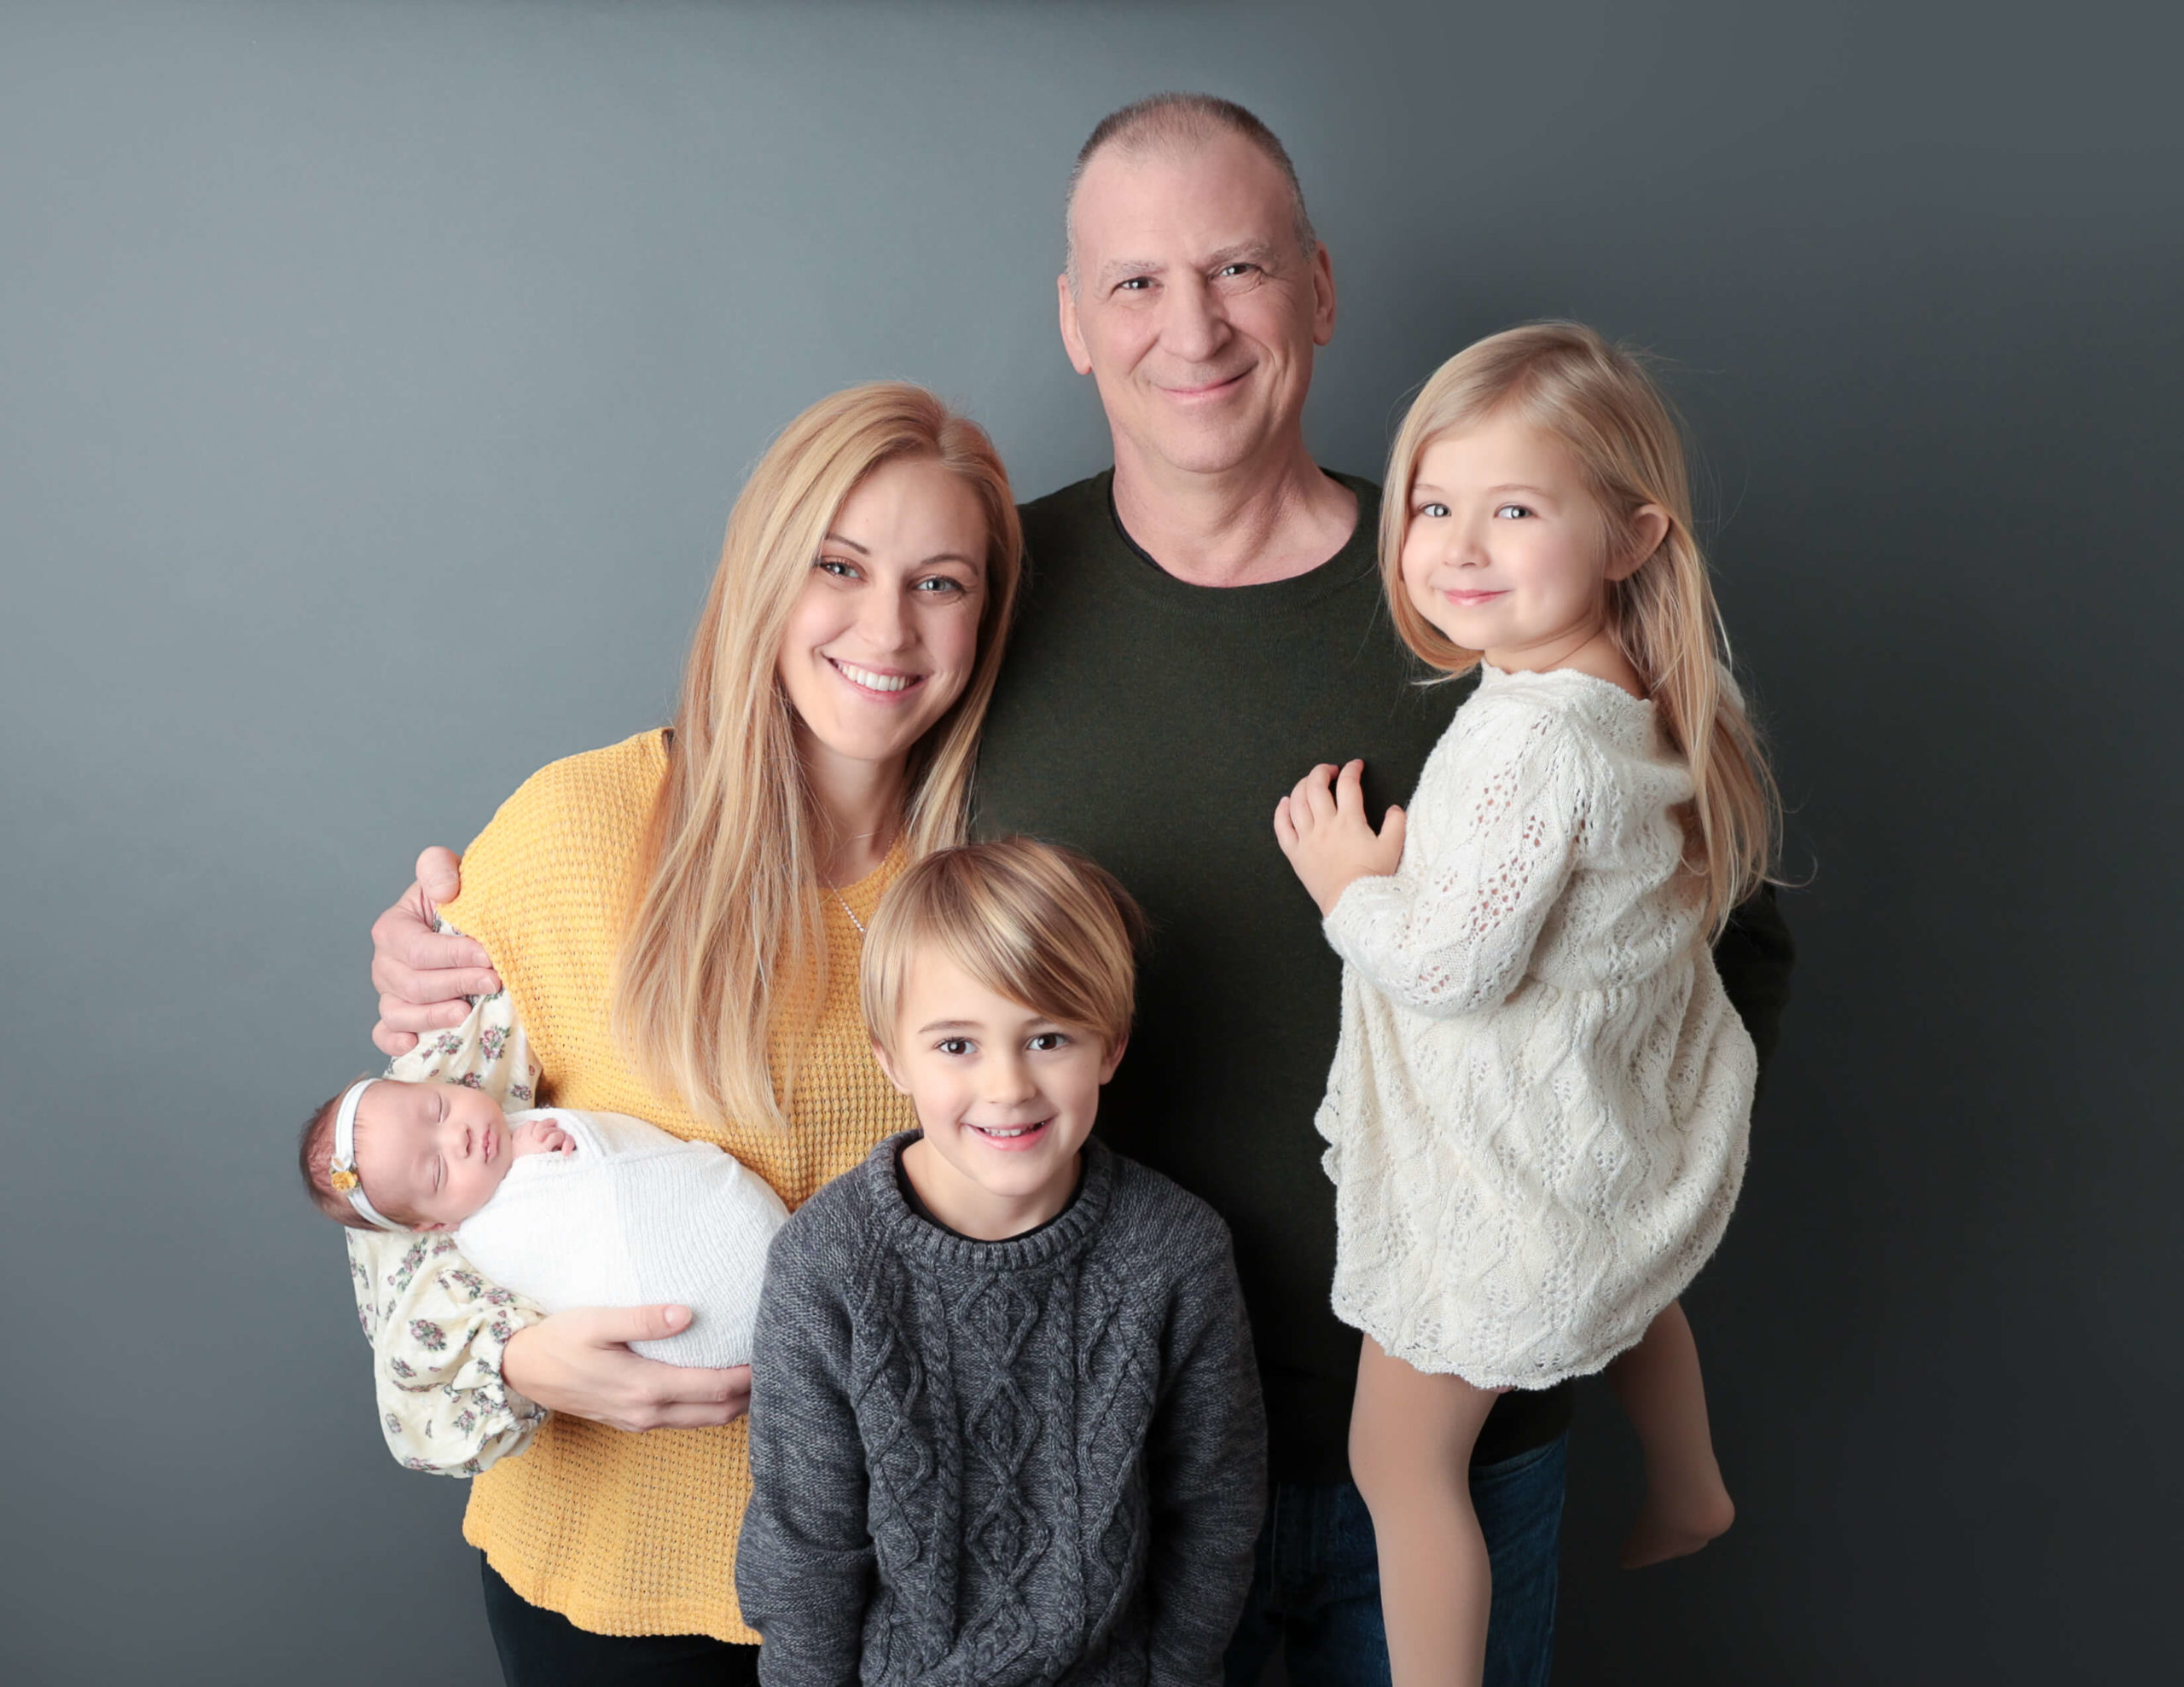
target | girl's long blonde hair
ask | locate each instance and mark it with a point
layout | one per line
(731, 909)
(1598, 400)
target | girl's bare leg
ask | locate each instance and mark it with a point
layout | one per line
(1410, 1443)
(1687, 1504)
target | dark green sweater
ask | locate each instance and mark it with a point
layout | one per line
(1152, 724)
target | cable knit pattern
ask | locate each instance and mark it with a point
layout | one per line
(631, 1217)
(1539, 1106)
(625, 1533)
(986, 1463)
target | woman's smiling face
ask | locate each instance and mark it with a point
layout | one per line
(885, 634)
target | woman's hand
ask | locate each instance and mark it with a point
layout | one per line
(421, 975)
(1324, 833)
(579, 1362)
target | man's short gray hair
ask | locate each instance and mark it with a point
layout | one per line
(1179, 123)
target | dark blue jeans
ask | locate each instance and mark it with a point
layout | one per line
(1316, 1591)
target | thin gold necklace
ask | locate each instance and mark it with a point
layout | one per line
(837, 890)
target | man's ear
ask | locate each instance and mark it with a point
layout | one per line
(1072, 333)
(1649, 526)
(1322, 295)
(1114, 1058)
(888, 1065)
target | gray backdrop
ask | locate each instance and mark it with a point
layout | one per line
(374, 382)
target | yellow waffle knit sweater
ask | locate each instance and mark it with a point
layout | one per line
(627, 1533)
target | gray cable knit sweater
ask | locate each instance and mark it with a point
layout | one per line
(985, 1464)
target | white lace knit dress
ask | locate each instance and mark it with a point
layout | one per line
(1538, 1110)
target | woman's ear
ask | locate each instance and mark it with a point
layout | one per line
(1649, 525)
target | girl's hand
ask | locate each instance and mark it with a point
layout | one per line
(579, 1362)
(1324, 833)
(541, 1136)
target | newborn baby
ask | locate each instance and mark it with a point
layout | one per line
(567, 1209)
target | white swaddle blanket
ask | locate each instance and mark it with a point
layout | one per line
(632, 1217)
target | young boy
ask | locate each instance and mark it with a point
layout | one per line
(1005, 1423)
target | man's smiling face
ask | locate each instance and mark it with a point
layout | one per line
(1196, 309)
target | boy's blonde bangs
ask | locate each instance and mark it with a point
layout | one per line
(1038, 924)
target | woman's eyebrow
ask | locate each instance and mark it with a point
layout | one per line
(843, 539)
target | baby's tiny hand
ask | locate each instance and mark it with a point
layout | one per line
(542, 1136)
(1323, 831)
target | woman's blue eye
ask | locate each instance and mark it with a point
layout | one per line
(835, 566)
(939, 585)
(1437, 511)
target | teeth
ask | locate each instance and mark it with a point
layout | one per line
(1012, 1131)
(872, 682)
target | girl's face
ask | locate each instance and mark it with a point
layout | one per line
(885, 634)
(1505, 552)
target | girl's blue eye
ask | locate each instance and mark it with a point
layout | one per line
(1437, 511)
(1511, 510)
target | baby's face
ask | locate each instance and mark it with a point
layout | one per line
(432, 1152)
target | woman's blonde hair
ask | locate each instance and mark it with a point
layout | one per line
(732, 905)
(1039, 924)
(1597, 399)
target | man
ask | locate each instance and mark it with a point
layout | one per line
(1202, 624)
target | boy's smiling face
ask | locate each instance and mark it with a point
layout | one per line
(1006, 1095)
(431, 1154)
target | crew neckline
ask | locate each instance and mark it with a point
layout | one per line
(1519, 676)
(1296, 592)
(1062, 1234)
(917, 1202)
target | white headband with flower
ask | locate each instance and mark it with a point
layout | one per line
(341, 1171)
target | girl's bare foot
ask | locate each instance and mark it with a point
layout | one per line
(1674, 1525)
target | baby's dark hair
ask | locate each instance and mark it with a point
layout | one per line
(315, 1159)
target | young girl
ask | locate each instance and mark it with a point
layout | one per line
(1539, 1100)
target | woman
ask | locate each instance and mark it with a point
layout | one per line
(677, 920)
